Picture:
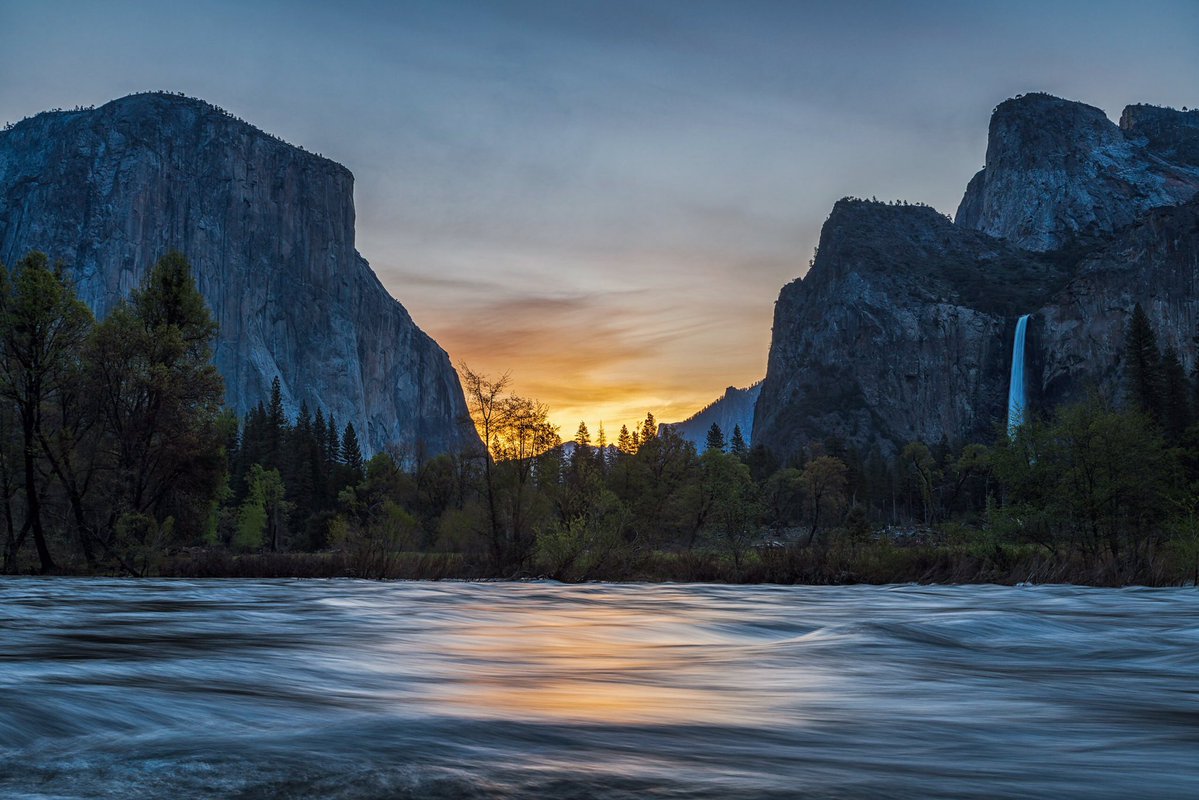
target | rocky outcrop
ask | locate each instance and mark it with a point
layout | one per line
(902, 329)
(1078, 337)
(735, 408)
(269, 230)
(1057, 170)
(898, 332)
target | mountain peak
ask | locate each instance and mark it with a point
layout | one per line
(1057, 169)
(269, 231)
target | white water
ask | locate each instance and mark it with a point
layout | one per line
(1016, 392)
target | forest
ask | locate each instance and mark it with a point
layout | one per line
(117, 456)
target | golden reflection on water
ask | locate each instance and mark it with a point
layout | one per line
(604, 663)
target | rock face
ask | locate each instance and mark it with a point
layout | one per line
(1056, 169)
(269, 230)
(903, 327)
(732, 409)
(895, 334)
(1078, 337)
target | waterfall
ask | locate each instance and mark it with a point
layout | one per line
(1016, 394)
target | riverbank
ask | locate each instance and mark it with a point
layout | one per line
(874, 564)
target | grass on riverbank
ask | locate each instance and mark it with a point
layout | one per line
(839, 562)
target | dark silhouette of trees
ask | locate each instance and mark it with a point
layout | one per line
(44, 326)
(1143, 371)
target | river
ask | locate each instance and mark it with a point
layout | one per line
(354, 689)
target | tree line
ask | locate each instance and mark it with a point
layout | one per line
(117, 456)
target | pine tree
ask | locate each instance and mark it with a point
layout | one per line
(738, 446)
(649, 429)
(320, 431)
(601, 447)
(299, 476)
(624, 441)
(277, 428)
(1143, 371)
(582, 437)
(304, 420)
(715, 440)
(1176, 411)
(351, 453)
(332, 442)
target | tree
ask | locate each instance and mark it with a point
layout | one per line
(1092, 478)
(601, 448)
(649, 429)
(351, 453)
(782, 494)
(332, 442)
(738, 446)
(260, 518)
(823, 480)
(715, 440)
(923, 467)
(1142, 368)
(484, 399)
(582, 438)
(728, 483)
(624, 441)
(43, 325)
(161, 395)
(276, 427)
(1176, 402)
(525, 437)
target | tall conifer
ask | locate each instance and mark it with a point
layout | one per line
(1143, 372)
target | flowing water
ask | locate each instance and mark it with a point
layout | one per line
(347, 689)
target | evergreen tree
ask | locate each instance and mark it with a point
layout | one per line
(300, 477)
(276, 427)
(321, 432)
(1176, 411)
(582, 438)
(1143, 371)
(332, 442)
(649, 429)
(715, 440)
(737, 446)
(351, 453)
(624, 441)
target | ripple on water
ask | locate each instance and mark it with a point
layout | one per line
(112, 688)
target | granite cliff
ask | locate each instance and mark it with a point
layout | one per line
(902, 328)
(269, 230)
(732, 409)
(1056, 170)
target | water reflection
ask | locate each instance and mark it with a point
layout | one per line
(601, 660)
(355, 689)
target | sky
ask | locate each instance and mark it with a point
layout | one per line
(603, 199)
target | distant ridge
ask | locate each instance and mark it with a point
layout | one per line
(734, 408)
